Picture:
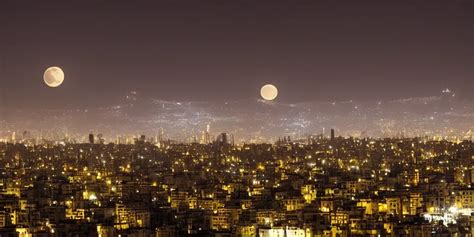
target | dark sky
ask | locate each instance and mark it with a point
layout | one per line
(225, 50)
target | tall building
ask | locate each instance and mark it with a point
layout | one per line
(207, 137)
(222, 138)
(333, 134)
(13, 137)
(91, 138)
(100, 138)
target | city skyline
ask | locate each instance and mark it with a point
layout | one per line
(443, 116)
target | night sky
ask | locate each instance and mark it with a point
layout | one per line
(225, 50)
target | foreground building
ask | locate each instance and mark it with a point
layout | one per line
(321, 187)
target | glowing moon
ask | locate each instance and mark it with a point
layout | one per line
(269, 92)
(53, 76)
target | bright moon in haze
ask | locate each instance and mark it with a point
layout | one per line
(53, 76)
(269, 92)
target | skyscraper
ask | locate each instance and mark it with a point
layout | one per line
(207, 137)
(91, 138)
(333, 134)
(222, 139)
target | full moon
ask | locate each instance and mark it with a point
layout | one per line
(269, 92)
(53, 76)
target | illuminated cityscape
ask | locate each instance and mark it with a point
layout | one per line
(323, 186)
(236, 118)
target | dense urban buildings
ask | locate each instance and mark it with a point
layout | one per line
(320, 186)
(236, 118)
